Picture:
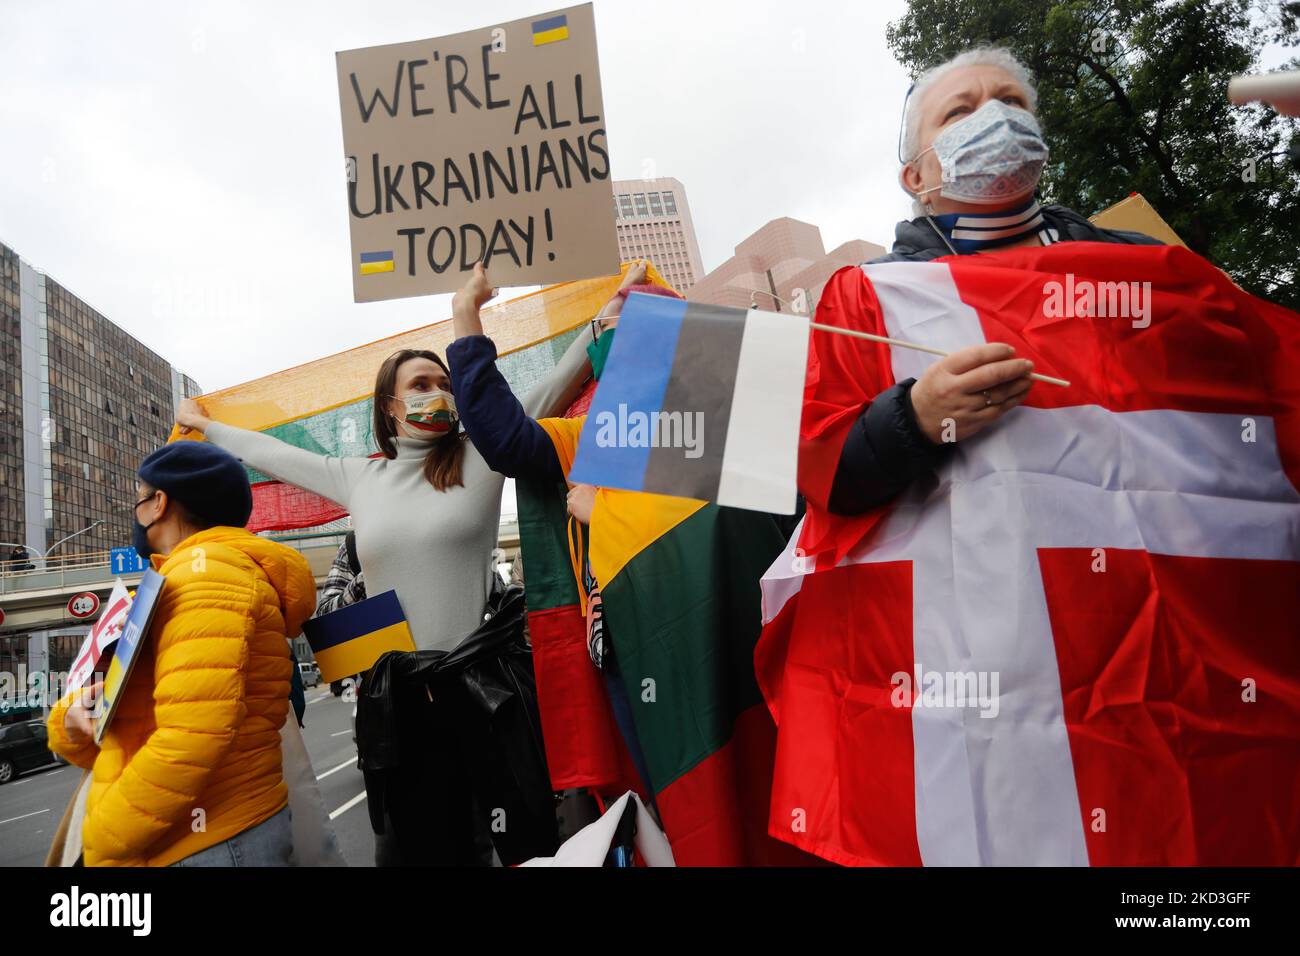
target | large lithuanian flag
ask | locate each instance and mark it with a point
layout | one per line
(680, 588)
(679, 581)
(324, 406)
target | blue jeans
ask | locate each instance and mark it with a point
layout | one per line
(269, 843)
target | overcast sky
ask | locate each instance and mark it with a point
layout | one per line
(180, 165)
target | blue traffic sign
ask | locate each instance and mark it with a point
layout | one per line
(126, 561)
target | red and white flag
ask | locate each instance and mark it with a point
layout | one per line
(1080, 644)
(101, 637)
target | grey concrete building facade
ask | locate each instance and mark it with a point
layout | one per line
(653, 219)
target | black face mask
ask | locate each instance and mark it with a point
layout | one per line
(140, 536)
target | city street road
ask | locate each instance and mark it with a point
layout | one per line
(32, 804)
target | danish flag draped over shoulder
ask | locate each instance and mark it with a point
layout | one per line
(1080, 642)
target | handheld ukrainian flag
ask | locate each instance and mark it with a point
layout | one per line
(350, 640)
(550, 30)
(373, 262)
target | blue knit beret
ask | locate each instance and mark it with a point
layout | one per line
(209, 481)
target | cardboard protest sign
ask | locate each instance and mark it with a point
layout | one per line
(1134, 213)
(485, 145)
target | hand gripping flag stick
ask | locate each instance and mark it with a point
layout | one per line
(921, 348)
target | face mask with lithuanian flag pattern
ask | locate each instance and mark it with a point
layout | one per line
(430, 414)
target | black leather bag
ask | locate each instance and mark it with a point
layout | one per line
(450, 744)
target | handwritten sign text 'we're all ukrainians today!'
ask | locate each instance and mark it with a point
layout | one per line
(488, 145)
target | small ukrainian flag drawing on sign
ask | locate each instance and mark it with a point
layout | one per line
(550, 30)
(374, 262)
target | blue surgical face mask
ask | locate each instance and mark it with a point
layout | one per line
(993, 156)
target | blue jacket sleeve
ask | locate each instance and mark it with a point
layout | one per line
(510, 442)
(884, 453)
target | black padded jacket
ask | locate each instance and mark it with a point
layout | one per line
(886, 450)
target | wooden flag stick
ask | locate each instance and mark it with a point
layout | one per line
(920, 348)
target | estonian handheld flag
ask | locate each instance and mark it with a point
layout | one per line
(699, 401)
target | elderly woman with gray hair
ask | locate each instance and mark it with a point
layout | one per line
(972, 153)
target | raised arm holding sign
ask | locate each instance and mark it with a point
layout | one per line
(482, 146)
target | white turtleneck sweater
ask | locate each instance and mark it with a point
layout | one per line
(432, 547)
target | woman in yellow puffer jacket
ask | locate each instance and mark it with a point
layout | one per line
(189, 770)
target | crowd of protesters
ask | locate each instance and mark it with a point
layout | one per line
(200, 726)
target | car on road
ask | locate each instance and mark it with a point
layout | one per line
(310, 673)
(24, 746)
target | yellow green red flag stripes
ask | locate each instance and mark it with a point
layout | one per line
(680, 598)
(583, 747)
(682, 614)
(349, 376)
(324, 406)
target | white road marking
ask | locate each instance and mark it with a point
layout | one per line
(351, 762)
(51, 773)
(317, 700)
(47, 810)
(341, 733)
(41, 767)
(349, 805)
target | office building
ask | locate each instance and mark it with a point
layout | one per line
(782, 267)
(81, 403)
(654, 222)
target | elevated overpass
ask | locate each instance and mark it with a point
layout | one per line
(37, 600)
